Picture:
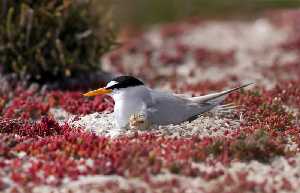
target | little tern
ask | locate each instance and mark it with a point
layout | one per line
(132, 97)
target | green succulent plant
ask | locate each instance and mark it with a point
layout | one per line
(48, 40)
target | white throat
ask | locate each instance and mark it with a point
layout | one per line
(129, 101)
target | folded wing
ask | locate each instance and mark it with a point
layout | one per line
(167, 108)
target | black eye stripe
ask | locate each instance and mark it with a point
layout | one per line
(113, 86)
(124, 82)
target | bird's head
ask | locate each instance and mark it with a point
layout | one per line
(115, 85)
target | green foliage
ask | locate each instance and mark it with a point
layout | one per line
(50, 40)
(145, 12)
(260, 146)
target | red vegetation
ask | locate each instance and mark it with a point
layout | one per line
(45, 127)
(75, 103)
(36, 150)
(60, 151)
(206, 57)
(32, 105)
(26, 105)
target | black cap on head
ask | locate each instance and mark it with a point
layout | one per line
(124, 82)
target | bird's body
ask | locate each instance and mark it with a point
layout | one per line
(134, 100)
(157, 107)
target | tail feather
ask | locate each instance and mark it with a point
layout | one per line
(211, 101)
(228, 106)
(216, 97)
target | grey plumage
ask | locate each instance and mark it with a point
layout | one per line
(166, 108)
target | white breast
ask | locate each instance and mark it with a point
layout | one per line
(129, 101)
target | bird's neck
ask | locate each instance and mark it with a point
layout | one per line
(131, 93)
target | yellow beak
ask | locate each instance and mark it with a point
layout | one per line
(97, 92)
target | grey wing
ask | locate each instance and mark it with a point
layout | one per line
(167, 108)
(216, 97)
